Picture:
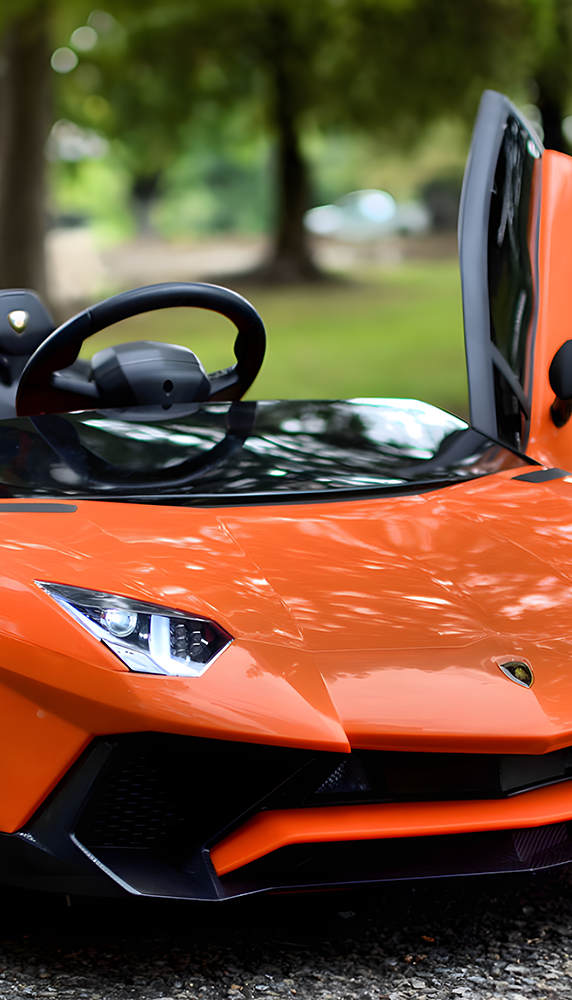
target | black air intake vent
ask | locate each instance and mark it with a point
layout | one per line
(386, 776)
(174, 792)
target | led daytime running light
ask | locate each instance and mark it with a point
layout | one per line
(147, 638)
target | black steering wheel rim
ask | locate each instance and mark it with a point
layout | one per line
(38, 394)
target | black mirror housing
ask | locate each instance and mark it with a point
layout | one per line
(560, 377)
(560, 372)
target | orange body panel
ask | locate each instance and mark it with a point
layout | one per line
(547, 443)
(37, 747)
(268, 831)
(373, 623)
(407, 606)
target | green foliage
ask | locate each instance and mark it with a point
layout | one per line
(381, 65)
(409, 62)
(396, 332)
(344, 160)
(220, 181)
(400, 333)
(549, 44)
(135, 87)
(172, 82)
(97, 190)
(11, 9)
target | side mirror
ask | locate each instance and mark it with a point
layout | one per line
(560, 377)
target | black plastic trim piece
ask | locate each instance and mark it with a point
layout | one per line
(272, 499)
(44, 854)
(560, 371)
(509, 376)
(473, 232)
(542, 475)
(37, 508)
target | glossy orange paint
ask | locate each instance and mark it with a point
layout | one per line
(61, 687)
(407, 604)
(372, 623)
(37, 747)
(275, 828)
(547, 443)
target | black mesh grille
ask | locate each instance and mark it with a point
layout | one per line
(136, 805)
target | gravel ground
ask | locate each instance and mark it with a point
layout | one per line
(505, 937)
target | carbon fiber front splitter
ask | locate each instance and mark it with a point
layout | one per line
(29, 864)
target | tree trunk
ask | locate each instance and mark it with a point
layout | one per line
(290, 259)
(24, 125)
(144, 195)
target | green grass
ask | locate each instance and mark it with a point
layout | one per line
(395, 332)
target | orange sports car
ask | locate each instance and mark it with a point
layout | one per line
(291, 644)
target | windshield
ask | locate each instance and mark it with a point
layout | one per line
(244, 452)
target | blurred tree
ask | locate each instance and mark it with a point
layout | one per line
(27, 32)
(383, 66)
(411, 61)
(24, 126)
(550, 58)
(137, 86)
(285, 55)
(380, 65)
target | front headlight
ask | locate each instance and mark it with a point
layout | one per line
(147, 638)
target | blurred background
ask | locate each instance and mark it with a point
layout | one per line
(308, 153)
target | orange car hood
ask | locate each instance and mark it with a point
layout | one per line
(409, 605)
(385, 620)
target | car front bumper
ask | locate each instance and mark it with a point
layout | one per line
(176, 817)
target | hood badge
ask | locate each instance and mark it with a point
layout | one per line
(518, 671)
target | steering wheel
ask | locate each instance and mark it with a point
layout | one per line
(141, 373)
